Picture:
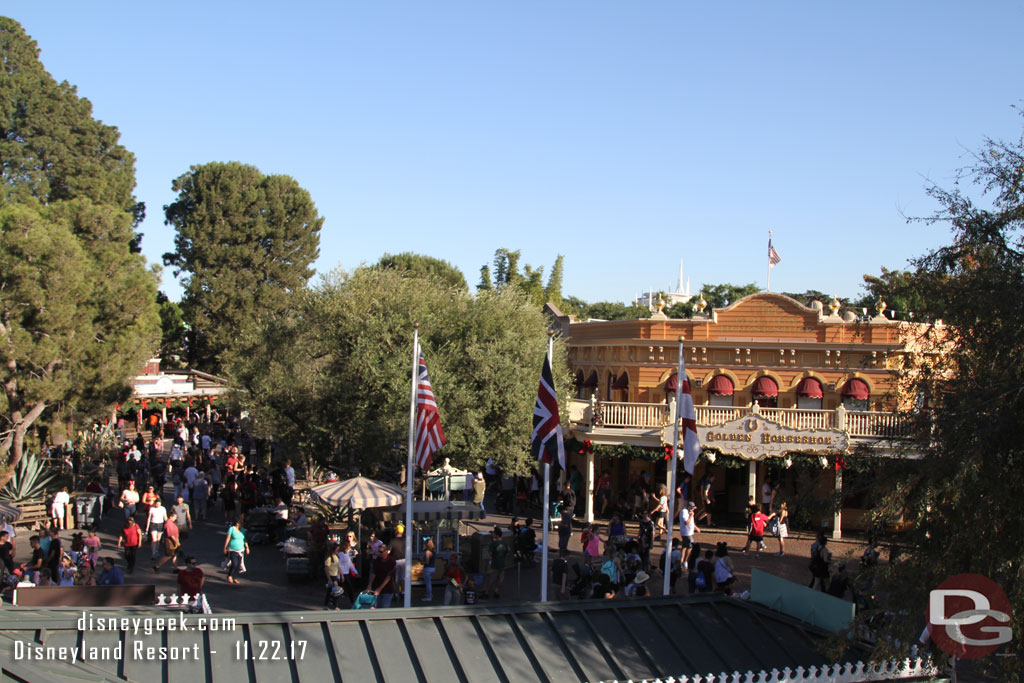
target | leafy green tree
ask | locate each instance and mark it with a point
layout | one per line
(720, 296)
(553, 289)
(245, 240)
(172, 331)
(331, 373)
(529, 282)
(51, 148)
(964, 494)
(77, 313)
(77, 302)
(614, 310)
(901, 292)
(425, 265)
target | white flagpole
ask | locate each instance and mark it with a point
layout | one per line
(673, 465)
(407, 580)
(547, 495)
(769, 287)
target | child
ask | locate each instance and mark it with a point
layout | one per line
(469, 592)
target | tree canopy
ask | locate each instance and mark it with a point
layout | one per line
(530, 281)
(77, 302)
(419, 264)
(332, 371)
(51, 148)
(964, 494)
(244, 241)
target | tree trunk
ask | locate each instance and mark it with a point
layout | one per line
(15, 445)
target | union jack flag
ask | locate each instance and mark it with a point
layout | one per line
(429, 435)
(546, 442)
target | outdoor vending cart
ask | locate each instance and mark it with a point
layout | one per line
(442, 521)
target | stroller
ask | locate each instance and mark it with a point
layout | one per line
(583, 585)
(365, 600)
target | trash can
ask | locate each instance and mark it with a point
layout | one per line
(88, 510)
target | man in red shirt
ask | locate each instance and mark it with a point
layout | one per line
(131, 538)
(171, 543)
(191, 578)
(757, 521)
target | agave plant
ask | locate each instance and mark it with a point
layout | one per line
(31, 477)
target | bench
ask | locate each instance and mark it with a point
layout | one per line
(85, 596)
(32, 513)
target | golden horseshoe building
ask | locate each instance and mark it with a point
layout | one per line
(773, 381)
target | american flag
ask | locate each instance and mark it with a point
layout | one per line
(688, 423)
(546, 442)
(773, 256)
(429, 435)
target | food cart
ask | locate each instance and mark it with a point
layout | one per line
(442, 521)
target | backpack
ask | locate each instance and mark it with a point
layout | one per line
(608, 569)
(702, 582)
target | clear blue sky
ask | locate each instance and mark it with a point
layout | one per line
(624, 135)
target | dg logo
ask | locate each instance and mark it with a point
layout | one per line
(968, 616)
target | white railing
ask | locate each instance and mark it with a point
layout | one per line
(877, 425)
(634, 414)
(858, 424)
(849, 672)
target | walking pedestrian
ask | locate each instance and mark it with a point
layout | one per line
(131, 540)
(235, 546)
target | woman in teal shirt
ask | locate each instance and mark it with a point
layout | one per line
(234, 545)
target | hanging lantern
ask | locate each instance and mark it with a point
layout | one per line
(711, 457)
(823, 461)
(788, 462)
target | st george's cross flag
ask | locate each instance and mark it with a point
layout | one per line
(429, 435)
(688, 423)
(546, 443)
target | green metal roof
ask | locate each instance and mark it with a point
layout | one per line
(564, 641)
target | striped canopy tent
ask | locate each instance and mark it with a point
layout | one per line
(8, 513)
(359, 493)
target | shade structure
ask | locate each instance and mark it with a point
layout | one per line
(429, 510)
(358, 493)
(765, 386)
(856, 388)
(720, 385)
(591, 380)
(9, 513)
(809, 388)
(672, 383)
(622, 382)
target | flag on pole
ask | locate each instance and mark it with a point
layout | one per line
(546, 442)
(688, 424)
(429, 436)
(773, 256)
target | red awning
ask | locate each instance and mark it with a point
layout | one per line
(592, 380)
(765, 386)
(622, 382)
(720, 385)
(809, 388)
(856, 388)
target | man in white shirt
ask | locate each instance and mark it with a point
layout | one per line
(10, 536)
(687, 528)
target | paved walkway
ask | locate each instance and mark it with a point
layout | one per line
(264, 587)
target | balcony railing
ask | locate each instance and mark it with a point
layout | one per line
(858, 424)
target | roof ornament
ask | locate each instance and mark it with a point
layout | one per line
(881, 307)
(835, 305)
